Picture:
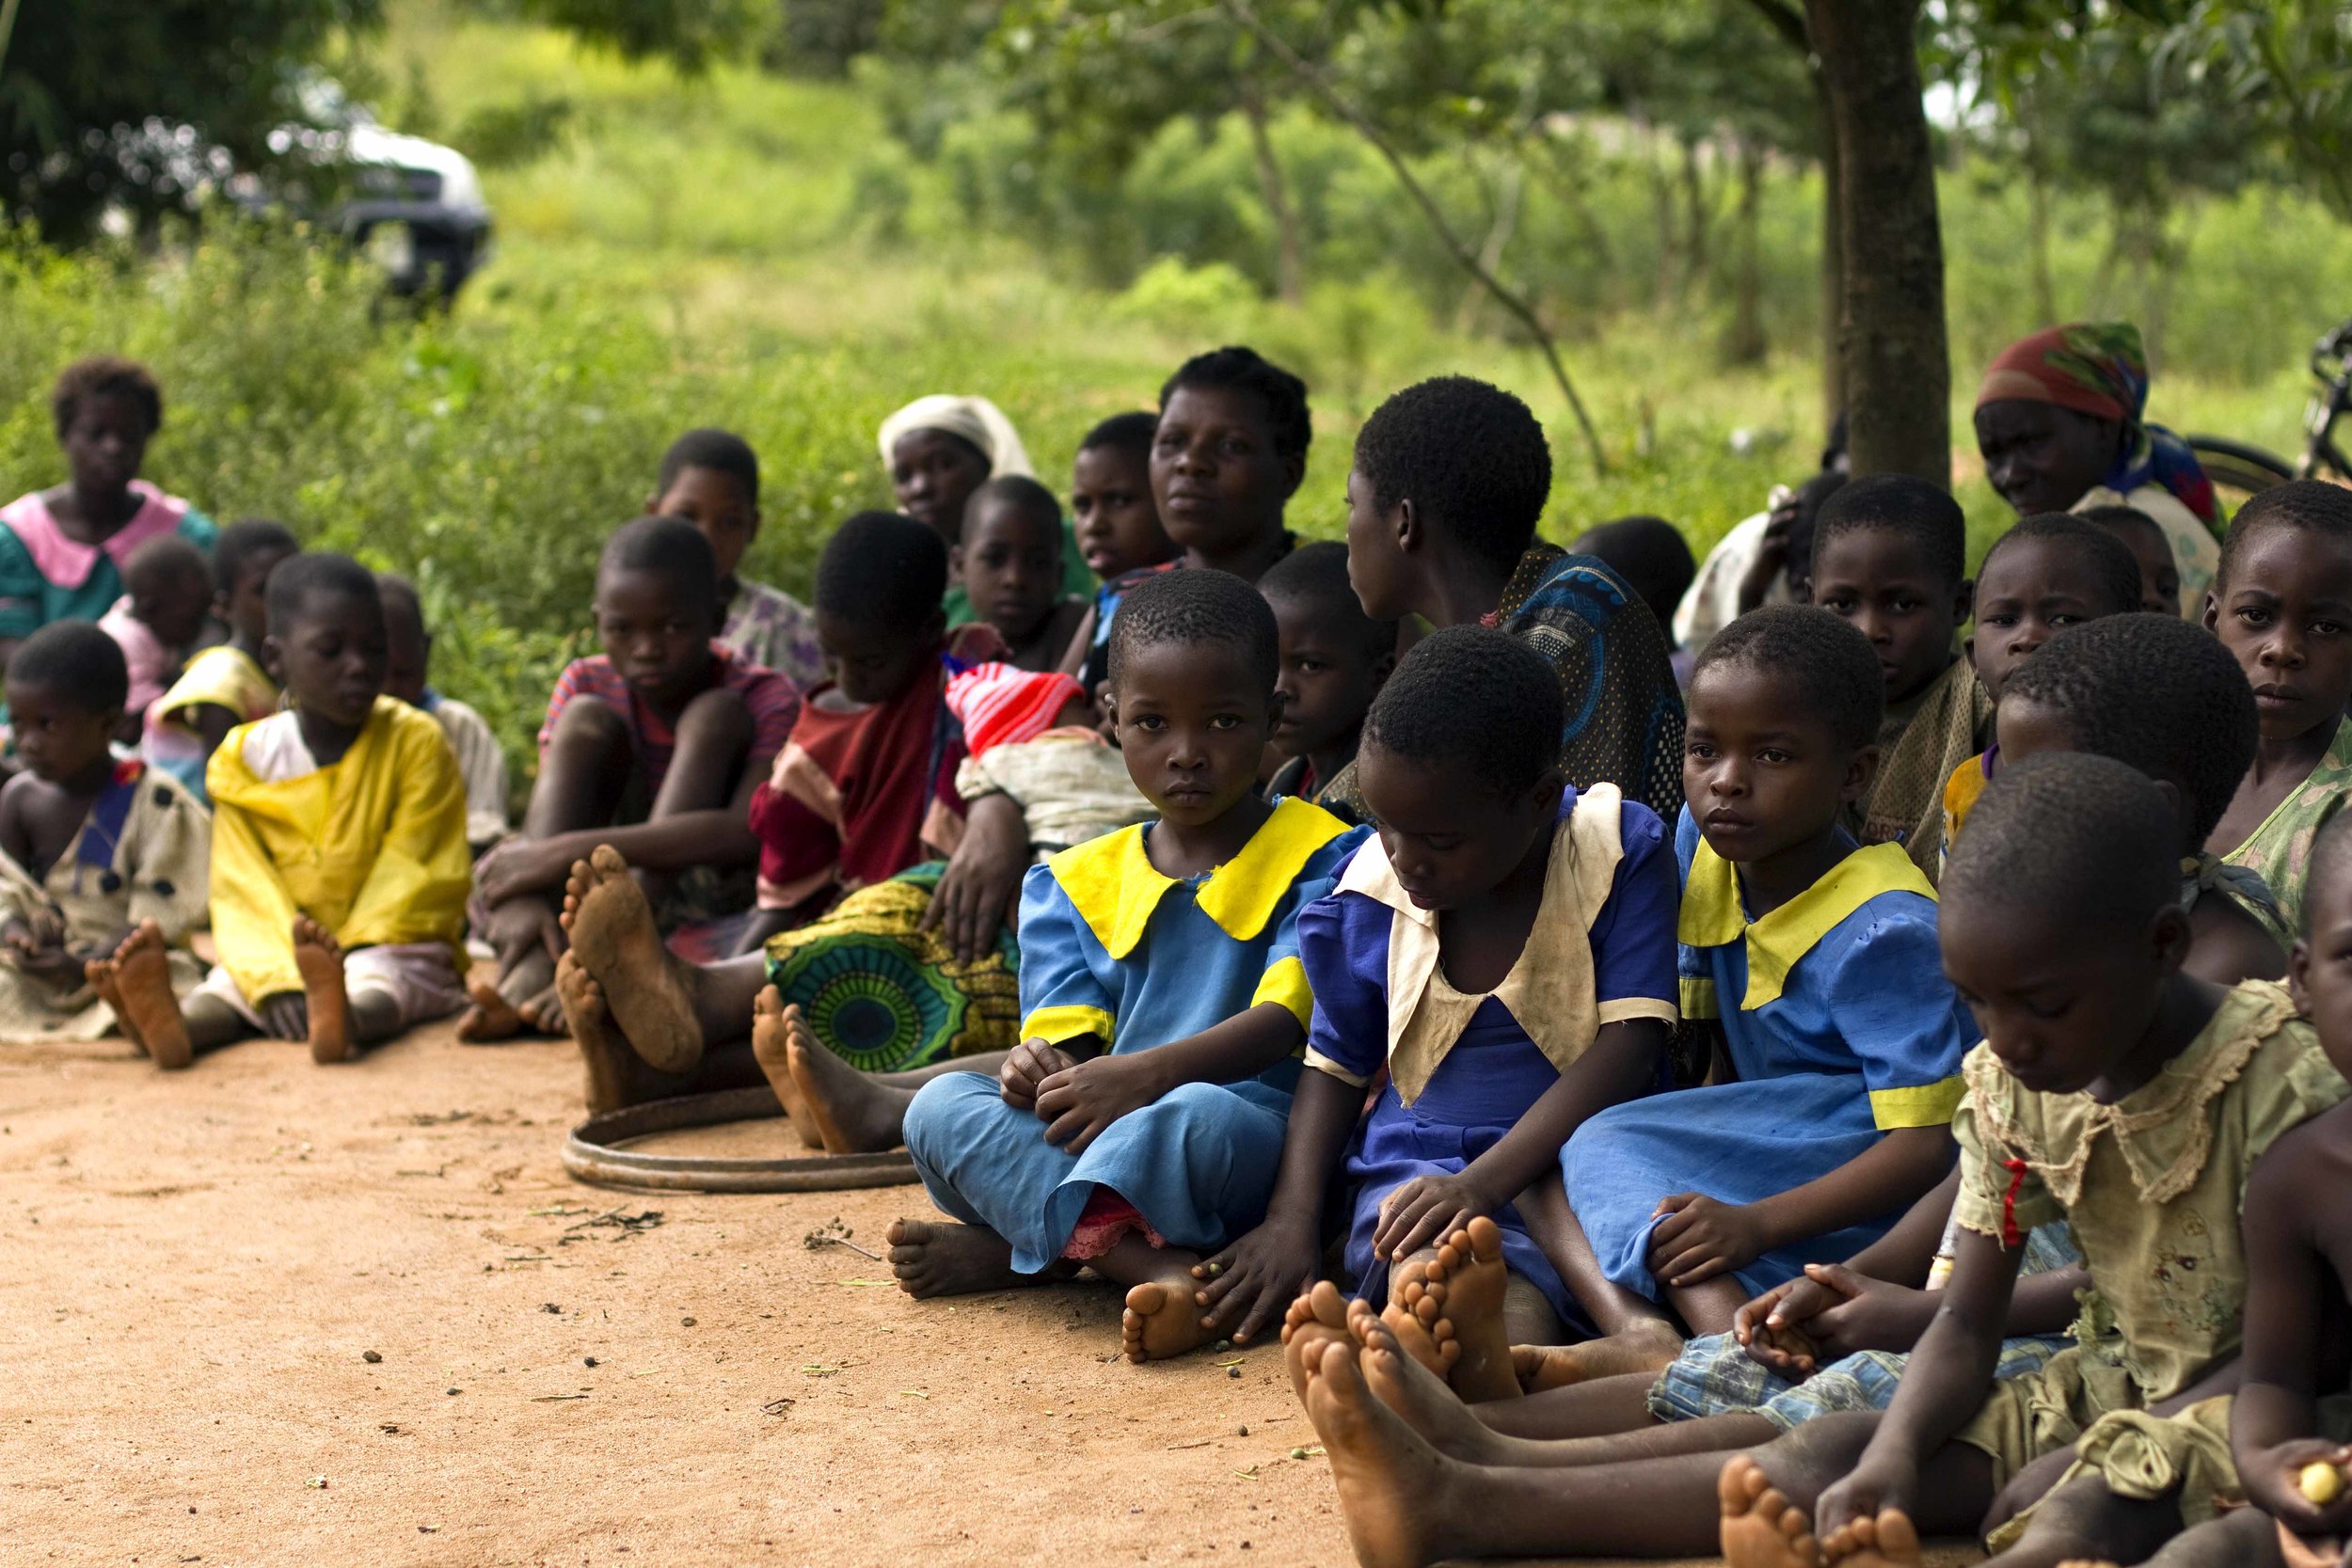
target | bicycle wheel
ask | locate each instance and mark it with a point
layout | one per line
(2236, 468)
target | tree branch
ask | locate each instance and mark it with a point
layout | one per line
(1241, 11)
(1786, 20)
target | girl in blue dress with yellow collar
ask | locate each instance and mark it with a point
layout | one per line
(1505, 951)
(1139, 1124)
(1818, 959)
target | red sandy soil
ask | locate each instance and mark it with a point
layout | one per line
(197, 1263)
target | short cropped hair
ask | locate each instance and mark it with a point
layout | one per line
(1315, 577)
(1900, 504)
(394, 589)
(304, 577)
(1476, 697)
(2117, 519)
(671, 547)
(1127, 433)
(166, 558)
(884, 569)
(1833, 664)
(240, 542)
(720, 450)
(2155, 691)
(74, 661)
(1468, 456)
(1283, 394)
(1198, 607)
(2077, 839)
(1651, 554)
(2311, 504)
(103, 376)
(1024, 495)
(2114, 566)
(2331, 857)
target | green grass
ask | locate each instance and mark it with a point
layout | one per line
(758, 254)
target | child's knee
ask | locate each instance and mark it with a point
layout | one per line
(943, 1113)
(1804, 1460)
(718, 719)
(588, 729)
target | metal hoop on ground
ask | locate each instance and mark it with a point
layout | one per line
(596, 1151)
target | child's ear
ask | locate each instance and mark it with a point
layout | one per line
(955, 561)
(2175, 798)
(2213, 611)
(653, 503)
(1412, 533)
(752, 532)
(1968, 648)
(1965, 601)
(1861, 769)
(1293, 473)
(936, 626)
(274, 660)
(1543, 801)
(1382, 668)
(2169, 939)
(2298, 973)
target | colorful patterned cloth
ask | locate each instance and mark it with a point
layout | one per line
(46, 577)
(1001, 705)
(2099, 368)
(772, 629)
(772, 701)
(2281, 848)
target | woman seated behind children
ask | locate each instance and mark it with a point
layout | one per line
(227, 684)
(340, 867)
(937, 451)
(653, 747)
(1505, 950)
(1138, 1125)
(98, 856)
(2281, 602)
(62, 550)
(1817, 958)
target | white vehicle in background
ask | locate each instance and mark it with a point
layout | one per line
(414, 207)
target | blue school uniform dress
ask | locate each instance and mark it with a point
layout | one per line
(1110, 947)
(1463, 1069)
(1841, 1027)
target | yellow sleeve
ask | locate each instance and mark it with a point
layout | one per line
(253, 912)
(422, 871)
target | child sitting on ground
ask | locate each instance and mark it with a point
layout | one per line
(227, 684)
(1010, 563)
(92, 850)
(1334, 658)
(2281, 602)
(2159, 693)
(1889, 555)
(168, 596)
(2159, 578)
(62, 550)
(1817, 956)
(653, 747)
(1655, 561)
(1138, 1126)
(407, 669)
(1112, 517)
(711, 479)
(1449, 482)
(339, 867)
(2052, 571)
(1505, 951)
(2132, 1109)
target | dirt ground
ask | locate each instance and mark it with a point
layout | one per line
(198, 1267)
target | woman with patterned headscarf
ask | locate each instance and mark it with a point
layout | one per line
(937, 451)
(2058, 420)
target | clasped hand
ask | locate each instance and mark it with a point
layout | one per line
(1076, 1100)
(1700, 1236)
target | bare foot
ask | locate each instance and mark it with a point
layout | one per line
(613, 932)
(1889, 1541)
(489, 1016)
(1313, 1320)
(948, 1260)
(1420, 1329)
(774, 1025)
(853, 1113)
(1648, 1348)
(1387, 1477)
(1760, 1529)
(320, 963)
(616, 1076)
(1468, 1278)
(1422, 1397)
(142, 976)
(99, 972)
(544, 1013)
(1161, 1319)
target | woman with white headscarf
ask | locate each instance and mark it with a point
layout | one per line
(937, 451)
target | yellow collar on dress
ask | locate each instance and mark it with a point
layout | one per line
(1115, 888)
(1712, 914)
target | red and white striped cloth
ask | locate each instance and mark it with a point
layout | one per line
(998, 703)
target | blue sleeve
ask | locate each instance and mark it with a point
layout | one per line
(1317, 878)
(198, 530)
(1063, 994)
(1897, 1012)
(1344, 945)
(1633, 940)
(1692, 969)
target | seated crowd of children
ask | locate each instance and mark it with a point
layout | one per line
(1791, 1094)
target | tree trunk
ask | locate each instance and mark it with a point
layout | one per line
(1695, 250)
(1745, 344)
(1290, 266)
(1833, 262)
(1891, 336)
